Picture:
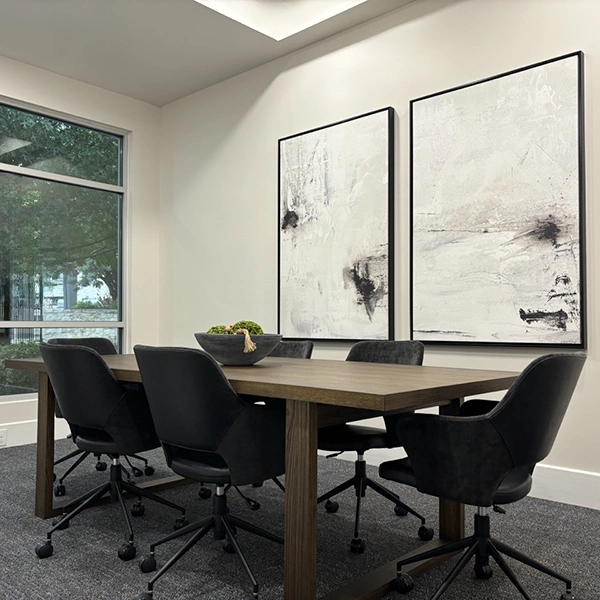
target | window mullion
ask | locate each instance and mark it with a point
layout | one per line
(85, 183)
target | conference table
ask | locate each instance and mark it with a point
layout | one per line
(317, 393)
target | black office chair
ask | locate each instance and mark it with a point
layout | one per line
(106, 418)
(293, 349)
(487, 459)
(105, 347)
(209, 434)
(359, 439)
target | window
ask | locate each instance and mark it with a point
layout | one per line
(61, 207)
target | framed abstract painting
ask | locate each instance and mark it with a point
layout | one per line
(336, 201)
(497, 209)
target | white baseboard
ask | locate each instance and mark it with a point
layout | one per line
(25, 432)
(570, 486)
(581, 488)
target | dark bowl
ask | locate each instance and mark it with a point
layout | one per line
(229, 349)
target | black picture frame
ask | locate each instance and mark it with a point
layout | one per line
(336, 189)
(499, 208)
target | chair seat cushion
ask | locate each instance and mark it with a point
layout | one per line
(204, 472)
(516, 485)
(356, 438)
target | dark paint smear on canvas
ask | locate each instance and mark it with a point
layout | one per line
(556, 319)
(547, 229)
(290, 220)
(368, 291)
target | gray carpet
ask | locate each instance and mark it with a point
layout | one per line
(85, 563)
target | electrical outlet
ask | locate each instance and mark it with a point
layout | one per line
(2, 437)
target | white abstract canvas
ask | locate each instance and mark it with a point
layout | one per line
(497, 202)
(335, 203)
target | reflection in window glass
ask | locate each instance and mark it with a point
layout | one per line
(59, 251)
(24, 343)
(37, 142)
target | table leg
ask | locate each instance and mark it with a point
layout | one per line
(45, 448)
(452, 514)
(300, 552)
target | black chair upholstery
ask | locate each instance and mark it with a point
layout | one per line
(105, 418)
(293, 349)
(486, 456)
(209, 434)
(102, 346)
(359, 438)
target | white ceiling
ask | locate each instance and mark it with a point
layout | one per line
(154, 50)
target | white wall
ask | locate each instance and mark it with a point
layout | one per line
(219, 166)
(23, 83)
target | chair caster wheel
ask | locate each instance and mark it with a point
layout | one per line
(483, 571)
(179, 523)
(147, 564)
(138, 510)
(331, 506)
(148, 470)
(101, 466)
(127, 552)
(58, 521)
(146, 596)
(59, 490)
(204, 493)
(137, 472)
(44, 549)
(357, 546)
(400, 511)
(228, 547)
(425, 533)
(567, 596)
(257, 484)
(403, 583)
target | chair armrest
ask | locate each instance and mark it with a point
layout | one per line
(254, 445)
(456, 458)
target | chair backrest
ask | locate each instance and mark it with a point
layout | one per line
(406, 352)
(192, 402)
(100, 345)
(467, 458)
(86, 389)
(293, 349)
(530, 414)
(200, 419)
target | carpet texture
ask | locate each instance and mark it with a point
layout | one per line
(85, 564)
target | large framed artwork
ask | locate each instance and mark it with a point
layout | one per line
(497, 209)
(336, 200)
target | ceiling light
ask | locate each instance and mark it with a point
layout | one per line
(279, 19)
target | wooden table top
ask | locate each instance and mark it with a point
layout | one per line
(372, 386)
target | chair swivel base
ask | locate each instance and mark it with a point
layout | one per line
(115, 487)
(223, 526)
(481, 546)
(60, 489)
(360, 482)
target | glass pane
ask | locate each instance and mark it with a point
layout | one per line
(37, 142)
(59, 251)
(24, 343)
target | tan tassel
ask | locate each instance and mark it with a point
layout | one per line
(249, 345)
